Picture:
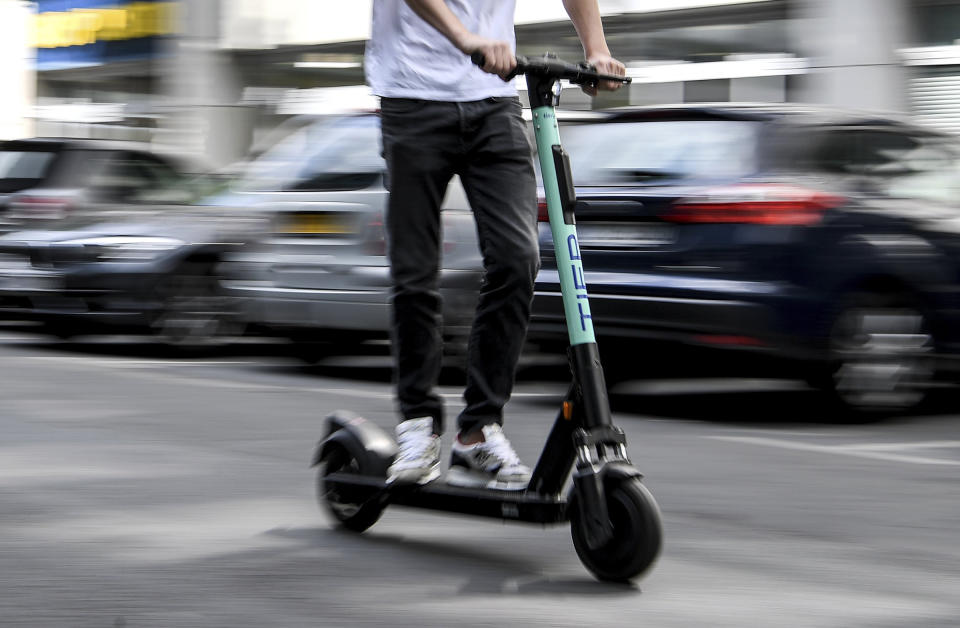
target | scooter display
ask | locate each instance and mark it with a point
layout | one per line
(614, 520)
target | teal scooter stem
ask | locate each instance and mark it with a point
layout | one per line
(542, 89)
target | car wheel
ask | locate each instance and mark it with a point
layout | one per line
(881, 355)
(60, 329)
(195, 313)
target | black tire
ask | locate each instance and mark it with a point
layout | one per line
(61, 330)
(312, 347)
(195, 314)
(881, 355)
(352, 516)
(637, 533)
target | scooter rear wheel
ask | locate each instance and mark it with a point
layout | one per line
(350, 515)
(637, 532)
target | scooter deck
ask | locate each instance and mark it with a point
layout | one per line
(521, 505)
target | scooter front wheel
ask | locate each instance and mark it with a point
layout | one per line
(351, 515)
(637, 532)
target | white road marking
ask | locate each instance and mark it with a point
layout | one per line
(121, 364)
(871, 451)
(118, 362)
(250, 386)
(711, 385)
(517, 395)
(933, 444)
(788, 432)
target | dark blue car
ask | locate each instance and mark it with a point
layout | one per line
(831, 238)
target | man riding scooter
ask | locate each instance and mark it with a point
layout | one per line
(442, 115)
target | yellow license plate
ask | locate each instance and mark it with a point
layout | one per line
(314, 224)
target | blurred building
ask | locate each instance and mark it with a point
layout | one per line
(237, 68)
(97, 65)
(17, 70)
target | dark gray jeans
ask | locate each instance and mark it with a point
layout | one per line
(425, 143)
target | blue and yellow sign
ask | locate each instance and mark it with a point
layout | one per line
(73, 33)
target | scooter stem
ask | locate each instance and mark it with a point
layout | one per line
(589, 382)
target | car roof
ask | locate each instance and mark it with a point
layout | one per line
(788, 113)
(183, 163)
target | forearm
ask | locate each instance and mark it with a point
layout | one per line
(438, 14)
(585, 15)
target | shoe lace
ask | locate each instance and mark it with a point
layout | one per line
(501, 448)
(413, 445)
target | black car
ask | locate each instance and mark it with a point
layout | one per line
(157, 273)
(827, 237)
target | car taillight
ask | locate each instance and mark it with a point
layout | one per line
(39, 207)
(376, 239)
(542, 215)
(759, 204)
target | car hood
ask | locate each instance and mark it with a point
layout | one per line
(196, 230)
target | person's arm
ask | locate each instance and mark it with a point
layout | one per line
(585, 15)
(498, 55)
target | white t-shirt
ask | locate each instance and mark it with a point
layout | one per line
(406, 57)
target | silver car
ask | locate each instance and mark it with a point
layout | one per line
(320, 274)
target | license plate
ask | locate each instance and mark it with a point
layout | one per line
(314, 224)
(625, 235)
(16, 264)
(30, 282)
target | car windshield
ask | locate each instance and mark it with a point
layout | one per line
(926, 170)
(327, 150)
(22, 168)
(626, 153)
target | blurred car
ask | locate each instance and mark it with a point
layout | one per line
(320, 274)
(830, 238)
(158, 274)
(106, 238)
(49, 178)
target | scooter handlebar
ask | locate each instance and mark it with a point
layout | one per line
(549, 66)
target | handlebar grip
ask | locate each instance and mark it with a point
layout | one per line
(480, 60)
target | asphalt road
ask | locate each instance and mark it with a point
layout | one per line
(140, 489)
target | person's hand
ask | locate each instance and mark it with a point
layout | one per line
(497, 55)
(605, 64)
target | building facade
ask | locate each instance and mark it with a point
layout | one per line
(214, 76)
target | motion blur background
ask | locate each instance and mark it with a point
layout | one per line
(214, 77)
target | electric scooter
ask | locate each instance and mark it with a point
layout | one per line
(614, 520)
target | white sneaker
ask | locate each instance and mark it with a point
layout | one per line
(491, 463)
(418, 457)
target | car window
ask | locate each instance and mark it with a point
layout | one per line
(836, 152)
(77, 167)
(24, 164)
(138, 178)
(893, 163)
(119, 180)
(338, 153)
(20, 169)
(865, 152)
(931, 171)
(165, 183)
(651, 151)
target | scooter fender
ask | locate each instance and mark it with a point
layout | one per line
(615, 471)
(366, 442)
